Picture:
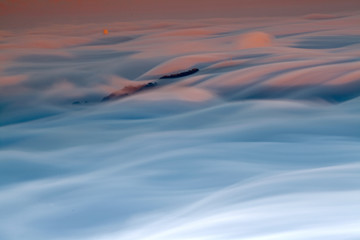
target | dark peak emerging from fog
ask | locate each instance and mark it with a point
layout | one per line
(129, 90)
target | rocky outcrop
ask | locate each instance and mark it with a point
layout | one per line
(132, 89)
(129, 90)
(181, 74)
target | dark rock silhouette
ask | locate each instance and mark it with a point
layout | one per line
(128, 90)
(132, 89)
(181, 74)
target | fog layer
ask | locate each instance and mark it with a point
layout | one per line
(261, 143)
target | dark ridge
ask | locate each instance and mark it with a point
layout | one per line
(332, 94)
(129, 90)
(181, 74)
(328, 42)
(79, 102)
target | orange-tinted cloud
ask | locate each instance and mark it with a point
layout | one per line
(11, 80)
(254, 40)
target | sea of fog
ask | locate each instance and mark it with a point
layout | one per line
(262, 143)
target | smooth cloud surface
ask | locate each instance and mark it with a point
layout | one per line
(261, 143)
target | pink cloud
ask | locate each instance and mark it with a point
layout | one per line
(254, 40)
(22, 12)
(11, 80)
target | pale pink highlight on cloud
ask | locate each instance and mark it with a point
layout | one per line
(12, 80)
(254, 40)
(346, 78)
(178, 93)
